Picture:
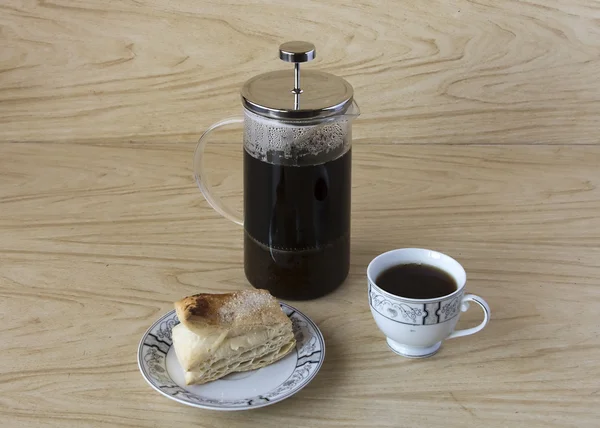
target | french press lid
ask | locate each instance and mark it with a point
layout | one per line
(307, 95)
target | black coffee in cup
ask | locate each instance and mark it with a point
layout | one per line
(416, 281)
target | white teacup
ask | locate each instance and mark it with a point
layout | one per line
(415, 328)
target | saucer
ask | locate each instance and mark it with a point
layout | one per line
(237, 391)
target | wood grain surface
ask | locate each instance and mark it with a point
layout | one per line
(478, 137)
(98, 240)
(446, 71)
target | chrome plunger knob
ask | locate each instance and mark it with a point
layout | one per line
(297, 52)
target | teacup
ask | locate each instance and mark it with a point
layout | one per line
(415, 328)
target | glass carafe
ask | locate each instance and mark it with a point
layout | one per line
(297, 178)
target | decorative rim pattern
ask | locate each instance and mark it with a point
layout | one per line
(156, 342)
(412, 313)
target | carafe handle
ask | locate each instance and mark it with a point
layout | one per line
(200, 173)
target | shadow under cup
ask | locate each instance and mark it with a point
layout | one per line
(416, 327)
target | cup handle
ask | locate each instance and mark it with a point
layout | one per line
(200, 174)
(464, 306)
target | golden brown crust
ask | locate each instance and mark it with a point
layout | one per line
(203, 305)
(239, 311)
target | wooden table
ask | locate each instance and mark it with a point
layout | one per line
(479, 137)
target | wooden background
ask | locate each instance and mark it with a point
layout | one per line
(479, 137)
(451, 71)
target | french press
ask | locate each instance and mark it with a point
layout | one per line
(297, 177)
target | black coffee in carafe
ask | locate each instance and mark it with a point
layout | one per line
(297, 226)
(297, 178)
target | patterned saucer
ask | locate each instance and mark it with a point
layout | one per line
(237, 391)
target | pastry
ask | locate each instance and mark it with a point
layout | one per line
(223, 333)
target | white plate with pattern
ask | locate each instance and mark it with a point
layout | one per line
(238, 391)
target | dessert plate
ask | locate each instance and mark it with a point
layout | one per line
(237, 391)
